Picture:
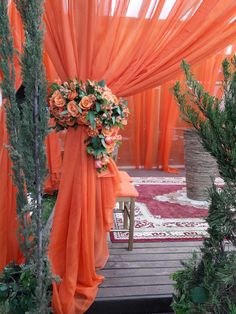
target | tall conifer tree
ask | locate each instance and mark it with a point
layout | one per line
(208, 282)
(27, 127)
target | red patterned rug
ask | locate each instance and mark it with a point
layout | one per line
(164, 213)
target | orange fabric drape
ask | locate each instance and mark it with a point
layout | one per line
(100, 40)
(155, 121)
(9, 246)
(83, 215)
(96, 40)
(52, 141)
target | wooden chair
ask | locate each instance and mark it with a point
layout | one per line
(126, 197)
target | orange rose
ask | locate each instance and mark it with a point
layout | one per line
(108, 96)
(72, 108)
(86, 103)
(56, 111)
(115, 100)
(107, 132)
(56, 93)
(59, 100)
(72, 95)
(110, 132)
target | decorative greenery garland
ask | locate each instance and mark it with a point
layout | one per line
(93, 105)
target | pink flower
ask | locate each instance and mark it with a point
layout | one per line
(98, 164)
(109, 140)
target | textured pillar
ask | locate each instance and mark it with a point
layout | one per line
(200, 167)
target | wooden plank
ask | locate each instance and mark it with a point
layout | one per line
(146, 264)
(137, 281)
(148, 257)
(157, 244)
(117, 273)
(144, 250)
(135, 291)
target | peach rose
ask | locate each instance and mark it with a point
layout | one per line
(108, 96)
(124, 121)
(86, 103)
(59, 100)
(107, 132)
(72, 108)
(110, 132)
(72, 95)
(56, 93)
(56, 111)
(110, 148)
(115, 100)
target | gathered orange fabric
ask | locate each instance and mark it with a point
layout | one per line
(83, 216)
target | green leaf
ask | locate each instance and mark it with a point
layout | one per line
(91, 117)
(199, 295)
(89, 150)
(102, 83)
(64, 112)
(113, 119)
(98, 107)
(3, 288)
(95, 142)
(103, 142)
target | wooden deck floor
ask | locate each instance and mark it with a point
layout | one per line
(139, 281)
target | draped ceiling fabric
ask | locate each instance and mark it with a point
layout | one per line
(134, 50)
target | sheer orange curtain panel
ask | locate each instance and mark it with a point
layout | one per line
(9, 246)
(155, 120)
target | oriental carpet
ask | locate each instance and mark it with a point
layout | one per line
(164, 213)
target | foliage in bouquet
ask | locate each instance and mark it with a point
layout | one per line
(93, 105)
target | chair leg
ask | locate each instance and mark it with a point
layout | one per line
(131, 225)
(121, 205)
(125, 225)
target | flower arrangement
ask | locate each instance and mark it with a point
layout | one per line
(91, 104)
